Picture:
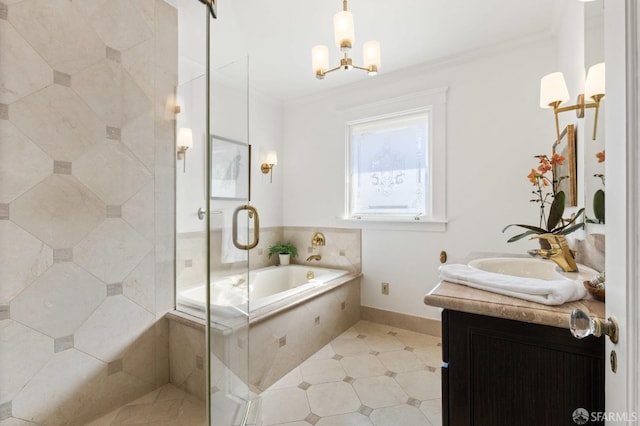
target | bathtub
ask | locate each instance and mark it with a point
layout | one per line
(267, 286)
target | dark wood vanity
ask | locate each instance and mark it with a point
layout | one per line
(507, 361)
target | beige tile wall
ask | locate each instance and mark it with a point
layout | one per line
(86, 205)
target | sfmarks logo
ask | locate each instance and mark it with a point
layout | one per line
(580, 416)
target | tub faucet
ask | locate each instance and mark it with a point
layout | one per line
(314, 257)
(559, 252)
(317, 240)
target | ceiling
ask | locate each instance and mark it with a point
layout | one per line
(278, 35)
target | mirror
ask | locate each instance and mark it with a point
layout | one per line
(565, 173)
(593, 170)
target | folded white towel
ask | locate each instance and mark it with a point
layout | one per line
(554, 292)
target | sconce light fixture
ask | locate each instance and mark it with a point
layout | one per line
(184, 142)
(553, 93)
(345, 36)
(267, 166)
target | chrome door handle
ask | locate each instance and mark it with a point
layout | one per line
(253, 213)
(201, 213)
(582, 326)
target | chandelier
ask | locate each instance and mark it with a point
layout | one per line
(344, 37)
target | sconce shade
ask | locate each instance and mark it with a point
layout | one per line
(343, 30)
(371, 55)
(595, 81)
(185, 137)
(553, 89)
(272, 158)
(320, 58)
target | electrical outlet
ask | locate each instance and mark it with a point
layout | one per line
(385, 289)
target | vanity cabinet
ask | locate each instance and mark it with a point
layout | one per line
(504, 372)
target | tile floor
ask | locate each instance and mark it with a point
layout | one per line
(371, 374)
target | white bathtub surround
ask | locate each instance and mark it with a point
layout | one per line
(90, 207)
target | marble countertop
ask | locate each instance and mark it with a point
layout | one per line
(466, 299)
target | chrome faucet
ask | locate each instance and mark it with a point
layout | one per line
(314, 257)
(560, 253)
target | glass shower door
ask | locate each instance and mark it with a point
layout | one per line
(233, 228)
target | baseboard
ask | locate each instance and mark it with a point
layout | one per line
(408, 322)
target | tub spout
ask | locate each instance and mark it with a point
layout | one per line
(314, 257)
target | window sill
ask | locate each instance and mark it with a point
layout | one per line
(396, 224)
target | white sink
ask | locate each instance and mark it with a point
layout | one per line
(531, 268)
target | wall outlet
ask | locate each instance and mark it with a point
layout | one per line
(385, 289)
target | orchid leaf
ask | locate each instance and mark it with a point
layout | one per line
(598, 205)
(570, 229)
(535, 229)
(521, 236)
(556, 211)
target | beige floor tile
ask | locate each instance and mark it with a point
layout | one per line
(404, 415)
(330, 399)
(422, 385)
(322, 371)
(433, 411)
(401, 361)
(350, 346)
(380, 391)
(325, 353)
(363, 365)
(290, 380)
(384, 343)
(284, 405)
(350, 419)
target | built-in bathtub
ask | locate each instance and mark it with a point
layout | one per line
(266, 287)
(290, 316)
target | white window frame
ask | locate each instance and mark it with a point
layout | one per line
(433, 101)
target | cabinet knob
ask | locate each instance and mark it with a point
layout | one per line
(582, 325)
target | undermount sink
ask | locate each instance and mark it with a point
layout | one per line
(531, 268)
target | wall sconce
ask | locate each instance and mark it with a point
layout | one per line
(184, 142)
(553, 93)
(267, 166)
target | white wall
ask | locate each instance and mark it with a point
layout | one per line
(494, 128)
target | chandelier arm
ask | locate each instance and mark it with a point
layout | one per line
(333, 69)
(361, 68)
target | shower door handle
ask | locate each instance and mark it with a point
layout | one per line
(253, 213)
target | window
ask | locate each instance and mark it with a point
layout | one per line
(389, 165)
(395, 164)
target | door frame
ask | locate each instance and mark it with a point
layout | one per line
(623, 207)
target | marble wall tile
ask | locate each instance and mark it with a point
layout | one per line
(185, 344)
(166, 38)
(99, 121)
(116, 325)
(23, 70)
(46, 397)
(119, 23)
(23, 258)
(139, 211)
(23, 352)
(111, 171)
(139, 63)
(112, 250)
(59, 121)
(342, 249)
(109, 90)
(139, 285)
(60, 211)
(139, 137)
(59, 301)
(75, 45)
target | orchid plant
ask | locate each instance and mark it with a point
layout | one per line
(549, 197)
